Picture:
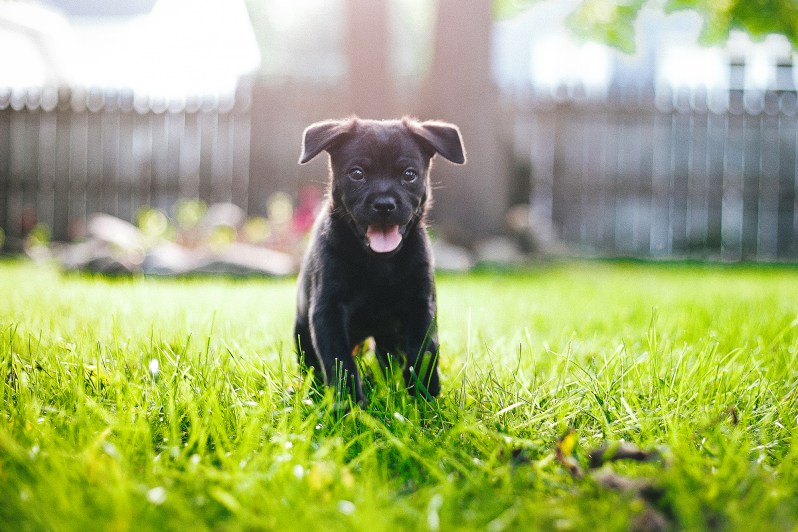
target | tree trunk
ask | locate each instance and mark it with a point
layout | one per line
(469, 201)
(370, 77)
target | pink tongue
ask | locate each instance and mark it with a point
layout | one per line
(383, 239)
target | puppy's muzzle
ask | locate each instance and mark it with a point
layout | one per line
(385, 223)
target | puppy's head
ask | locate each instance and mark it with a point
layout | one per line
(380, 172)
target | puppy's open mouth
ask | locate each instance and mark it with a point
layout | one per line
(383, 238)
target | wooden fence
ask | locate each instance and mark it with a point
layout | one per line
(65, 154)
(635, 174)
(672, 175)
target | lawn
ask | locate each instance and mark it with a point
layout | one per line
(134, 404)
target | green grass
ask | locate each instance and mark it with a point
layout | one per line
(133, 404)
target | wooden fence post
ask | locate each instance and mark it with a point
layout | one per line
(5, 155)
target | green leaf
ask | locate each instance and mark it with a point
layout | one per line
(504, 9)
(607, 21)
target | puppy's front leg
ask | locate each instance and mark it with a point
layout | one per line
(328, 328)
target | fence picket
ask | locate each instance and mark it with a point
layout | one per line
(5, 160)
(787, 231)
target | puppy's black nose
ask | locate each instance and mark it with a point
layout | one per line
(384, 205)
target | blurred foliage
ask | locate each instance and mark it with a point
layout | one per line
(607, 21)
(612, 22)
(39, 236)
(758, 18)
(192, 223)
(153, 224)
(257, 230)
(222, 236)
(280, 208)
(189, 212)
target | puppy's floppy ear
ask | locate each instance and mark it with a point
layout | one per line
(321, 135)
(444, 138)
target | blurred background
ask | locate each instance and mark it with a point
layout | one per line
(593, 128)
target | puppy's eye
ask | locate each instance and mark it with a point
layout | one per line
(356, 174)
(410, 175)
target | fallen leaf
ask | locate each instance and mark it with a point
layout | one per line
(564, 451)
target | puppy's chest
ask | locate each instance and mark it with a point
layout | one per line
(367, 288)
(382, 294)
(379, 307)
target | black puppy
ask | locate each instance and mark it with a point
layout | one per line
(368, 271)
